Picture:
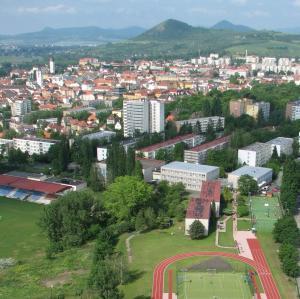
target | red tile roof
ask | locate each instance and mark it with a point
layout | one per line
(167, 143)
(211, 191)
(210, 144)
(31, 185)
(198, 209)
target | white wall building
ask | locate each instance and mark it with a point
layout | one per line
(101, 153)
(260, 174)
(157, 116)
(283, 145)
(20, 107)
(203, 121)
(34, 145)
(51, 65)
(136, 117)
(191, 175)
(256, 154)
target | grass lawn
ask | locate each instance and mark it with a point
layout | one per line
(243, 225)
(286, 286)
(33, 276)
(226, 239)
(217, 285)
(151, 248)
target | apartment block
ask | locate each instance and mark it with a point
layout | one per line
(283, 145)
(238, 107)
(190, 175)
(204, 122)
(253, 109)
(20, 107)
(293, 110)
(191, 140)
(198, 154)
(157, 116)
(32, 146)
(256, 154)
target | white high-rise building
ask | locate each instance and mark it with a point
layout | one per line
(157, 116)
(51, 65)
(37, 75)
(136, 117)
(20, 107)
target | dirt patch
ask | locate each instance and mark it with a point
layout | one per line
(215, 263)
(62, 278)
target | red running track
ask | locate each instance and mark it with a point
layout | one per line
(263, 271)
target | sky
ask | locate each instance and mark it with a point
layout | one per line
(18, 16)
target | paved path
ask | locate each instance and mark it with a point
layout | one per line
(259, 264)
(128, 247)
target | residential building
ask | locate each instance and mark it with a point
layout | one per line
(149, 166)
(216, 121)
(283, 145)
(191, 175)
(256, 154)
(293, 110)
(136, 117)
(260, 174)
(20, 107)
(51, 66)
(197, 210)
(101, 153)
(190, 140)
(198, 154)
(32, 146)
(238, 107)
(101, 135)
(157, 116)
(253, 110)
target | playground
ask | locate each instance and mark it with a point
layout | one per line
(264, 212)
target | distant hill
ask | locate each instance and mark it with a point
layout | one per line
(226, 25)
(73, 35)
(176, 39)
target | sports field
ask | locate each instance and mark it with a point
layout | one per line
(195, 285)
(265, 212)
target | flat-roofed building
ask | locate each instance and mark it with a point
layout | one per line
(293, 110)
(215, 121)
(238, 107)
(190, 140)
(190, 175)
(256, 154)
(261, 175)
(32, 145)
(283, 145)
(198, 154)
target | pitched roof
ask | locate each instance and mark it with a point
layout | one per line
(211, 191)
(198, 209)
(210, 144)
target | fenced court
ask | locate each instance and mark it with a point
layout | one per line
(213, 285)
(264, 212)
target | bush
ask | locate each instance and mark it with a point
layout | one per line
(197, 230)
(286, 231)
(243, 211)
(228, 212)
(289, 257)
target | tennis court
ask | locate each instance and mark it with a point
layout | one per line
(212, 285)
(265, 212)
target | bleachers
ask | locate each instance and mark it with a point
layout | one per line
(4, 191)
(20, 194)
(35, 196)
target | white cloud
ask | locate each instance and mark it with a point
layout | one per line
(60, 8)
(257, 13)
(296, 3)
(239, 2)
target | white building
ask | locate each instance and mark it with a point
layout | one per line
(256, 154)
(191, 175)
(101, 135)
(101, 153)
(157, 116)
(34, 145)
(51, 65)
(20, 107)
(143, 116)
(260, 174)
(136, 117)
(283, 145)
(215, 121)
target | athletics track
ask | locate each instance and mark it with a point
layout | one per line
(259, 263)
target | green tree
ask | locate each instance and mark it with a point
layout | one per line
(210, 132)
(178, 151)
(197, 128)
(197, 230)
(96, 180)
(289, 258)
(130, 161)
(247, 185)
(126, 196)
(286, 231)
(138, 170)
(295, 148)
(227, 195)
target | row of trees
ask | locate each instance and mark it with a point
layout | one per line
(287, 234)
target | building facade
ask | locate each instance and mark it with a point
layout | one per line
(20, 107)
(215, 121)
(293, 110)
(32, 146)
(190, 175)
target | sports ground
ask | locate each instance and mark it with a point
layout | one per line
(265, 212)
(213, 285)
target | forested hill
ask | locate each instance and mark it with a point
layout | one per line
(175, 39)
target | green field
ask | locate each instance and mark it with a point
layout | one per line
(243, 225)
(213, 285)
(226, 238)
(266, 211)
